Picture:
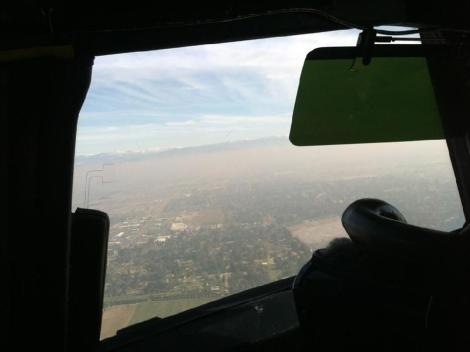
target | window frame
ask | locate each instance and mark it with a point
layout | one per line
(459, 152)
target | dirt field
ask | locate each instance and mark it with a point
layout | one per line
(120, 316)
(317, 233)
(162, 309)
(115, 318)
(204, 217)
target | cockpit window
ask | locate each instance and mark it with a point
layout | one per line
(187, 150)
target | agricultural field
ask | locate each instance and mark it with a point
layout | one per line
(119, 316)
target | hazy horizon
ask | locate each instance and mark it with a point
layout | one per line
(144, 175)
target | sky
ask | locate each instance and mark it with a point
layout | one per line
(156, 100)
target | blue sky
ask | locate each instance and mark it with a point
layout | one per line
(196, 95)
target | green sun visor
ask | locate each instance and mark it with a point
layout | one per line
(342, 101)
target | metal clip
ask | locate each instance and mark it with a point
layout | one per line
(47, 13)
(365, 44)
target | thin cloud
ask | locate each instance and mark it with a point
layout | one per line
(190, 95)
